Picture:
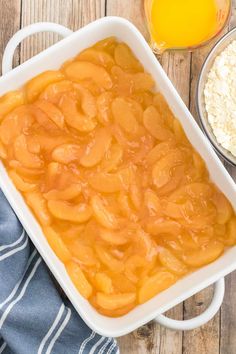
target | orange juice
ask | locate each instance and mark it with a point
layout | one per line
(181, 23)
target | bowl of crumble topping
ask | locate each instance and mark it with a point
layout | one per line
(216, 97)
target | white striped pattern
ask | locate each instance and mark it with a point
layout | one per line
(112, 347)
(84, 343)
(2, 248)
(49, 333)
(3, 347)
(12, 304)
(19, 282)
(101, 351)
(59, 331)
(96, 345)
(15, 250)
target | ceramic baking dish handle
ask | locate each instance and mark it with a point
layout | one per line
(200, 320)
(26, 32)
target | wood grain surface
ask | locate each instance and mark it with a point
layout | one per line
(219, 335)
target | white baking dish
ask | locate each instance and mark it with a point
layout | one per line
(52, 58)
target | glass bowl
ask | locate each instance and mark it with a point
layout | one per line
(200, 100)
(223, 15)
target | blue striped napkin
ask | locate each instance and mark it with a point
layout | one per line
(33, 317)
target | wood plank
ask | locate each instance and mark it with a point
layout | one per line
(145, 340)
(70, 13)
(204, 340)
(177, 67)
(9, 24)
(228, 317)
(132, 10)
(228, 309)
(171, 341)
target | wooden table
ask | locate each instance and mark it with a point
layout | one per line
(219, 335)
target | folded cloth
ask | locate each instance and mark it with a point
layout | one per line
(33, 317)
